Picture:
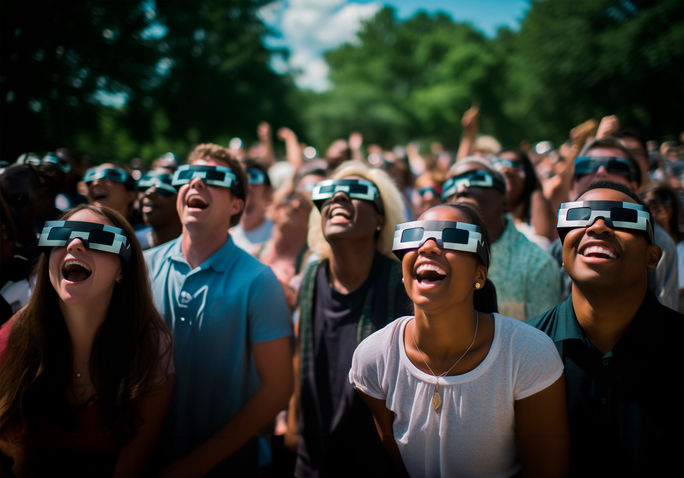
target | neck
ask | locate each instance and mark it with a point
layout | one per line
(251, 221)
(350, 265)
(165, 233)
(198, 246)
(287, 244)
(604, 315)
(442, 334)
(82, 322)
(518, 212)
(496, 227)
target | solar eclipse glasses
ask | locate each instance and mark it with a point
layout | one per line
(585, 165)
(450, 235)
(475, 178)
(220, 176)
(616, 214)
(95, 236)
(352, 188)
(162, 182)
(113, 174)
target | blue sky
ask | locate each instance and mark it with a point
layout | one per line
(309, 27)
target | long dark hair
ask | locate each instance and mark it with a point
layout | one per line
(484, 299)
(129, 347)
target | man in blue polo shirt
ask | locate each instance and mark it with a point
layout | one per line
(622, 349)
(230, 321)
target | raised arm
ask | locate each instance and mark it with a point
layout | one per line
(471, 126)
(293, 152)
(264, 134)
(542, 433)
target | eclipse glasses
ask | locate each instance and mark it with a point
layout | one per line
(98, 237)
(475, 178)
(352, 188)
(220, 176)
(113, 174)
(616, 214)
(585, 165)
(162, 183)
(451, 235)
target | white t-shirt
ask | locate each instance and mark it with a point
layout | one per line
(474, 433)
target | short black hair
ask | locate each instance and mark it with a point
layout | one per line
(605, 184)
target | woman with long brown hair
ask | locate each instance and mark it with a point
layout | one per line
(85, 368)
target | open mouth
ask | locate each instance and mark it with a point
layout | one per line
(340, 212)
(598, 252)
(430, 273)
(75, 271)
(197, 202)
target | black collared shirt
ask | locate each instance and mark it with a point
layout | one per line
(626, 407)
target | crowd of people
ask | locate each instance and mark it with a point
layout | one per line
(491, 311)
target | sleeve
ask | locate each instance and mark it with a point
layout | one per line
(538, 364)
(543, 287)
(369, 364)
(269, 314)
(667, 288)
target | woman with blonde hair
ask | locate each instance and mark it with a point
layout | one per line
(85, 367)
(354, 289)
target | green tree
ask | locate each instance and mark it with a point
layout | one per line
(576, 59)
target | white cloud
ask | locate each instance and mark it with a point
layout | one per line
(310, 27)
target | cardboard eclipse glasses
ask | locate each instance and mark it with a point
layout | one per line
(450, 235)
(475, 178)
(220, 176)
(616, 214)
(95, 236)
(352, 188)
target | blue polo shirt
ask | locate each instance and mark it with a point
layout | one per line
(215, 312)
(626, 407)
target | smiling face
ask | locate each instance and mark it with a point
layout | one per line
(207, 208)
(437, 279)
(602, 257)
(105, 192)
(80, 275)
(345, 218)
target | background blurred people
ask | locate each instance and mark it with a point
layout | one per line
(255, 226)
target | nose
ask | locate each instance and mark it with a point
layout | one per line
(600, 226)
(429, 247)
(75, 244)
(197, 183)
(601, 172)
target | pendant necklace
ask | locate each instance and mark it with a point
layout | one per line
(437, 398)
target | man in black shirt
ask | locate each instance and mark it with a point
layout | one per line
(622, 349)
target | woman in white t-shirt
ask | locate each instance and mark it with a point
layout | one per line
(459, 390)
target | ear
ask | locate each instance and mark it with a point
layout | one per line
(653, 255)
(481, 274)
(236, 206)
(381, 221)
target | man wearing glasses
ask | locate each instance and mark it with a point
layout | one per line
(608, 159)
(622, 349)
(230, 321)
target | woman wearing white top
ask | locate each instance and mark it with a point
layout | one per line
(455, 391)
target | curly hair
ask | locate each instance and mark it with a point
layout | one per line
(391, 201)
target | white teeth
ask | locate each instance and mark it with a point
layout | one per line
(78, 263)
(430, 267)
(599, 250)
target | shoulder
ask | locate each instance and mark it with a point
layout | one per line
(377, 345)
(549, 319)
(155, 255)
(514, 329)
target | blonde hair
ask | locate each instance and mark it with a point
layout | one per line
(391, 201)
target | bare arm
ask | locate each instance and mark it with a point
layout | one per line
(471, 126)
(293, 152)
(383, 419)
(264, 134)
(542, 216)
(136, 452)
(541, 423)
(273, 360)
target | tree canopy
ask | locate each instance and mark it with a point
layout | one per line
(137, 78)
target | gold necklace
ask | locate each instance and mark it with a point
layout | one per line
(437, 398)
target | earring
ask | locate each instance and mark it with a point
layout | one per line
(477, 285)
(378, 228)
